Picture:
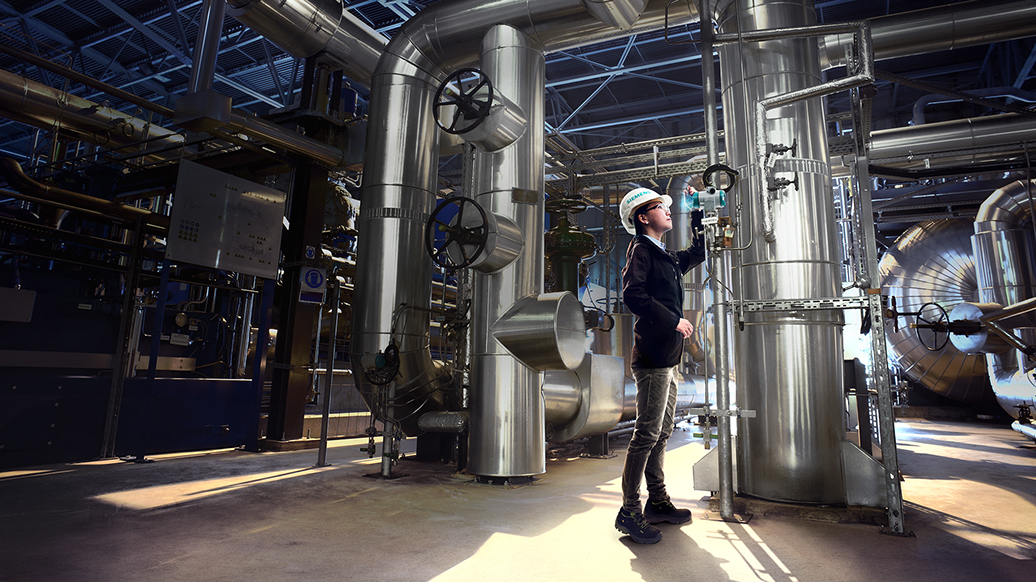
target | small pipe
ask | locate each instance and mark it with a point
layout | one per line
(1025, 429)
(206, 46)
(85, 80)
(325, 418)
(12, 172)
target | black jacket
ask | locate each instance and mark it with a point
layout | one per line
(652, 288)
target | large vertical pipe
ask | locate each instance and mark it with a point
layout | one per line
(1004, 250)
(507, 417)
(789, 363)
(206, 47)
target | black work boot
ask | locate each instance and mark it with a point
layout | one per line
(634, 525)
(659, 511)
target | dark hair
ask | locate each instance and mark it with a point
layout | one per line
(638, 226)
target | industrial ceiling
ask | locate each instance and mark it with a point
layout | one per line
(644, 87)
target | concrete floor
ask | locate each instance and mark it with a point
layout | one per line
(230, 515)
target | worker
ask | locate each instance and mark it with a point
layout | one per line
(652, 289)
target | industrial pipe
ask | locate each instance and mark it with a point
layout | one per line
(940, 28)
(11, 171)
(1004, 249)
(206, 47)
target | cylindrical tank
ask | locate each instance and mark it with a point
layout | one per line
(789, 364)
(932, 262)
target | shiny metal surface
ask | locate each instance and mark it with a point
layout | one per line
(36, 104)
(789, 364)
(507, 309)
(893, 147)
(983, 341)
(399, 167)
(599, 381)
(304, 28)
(206, 47)
(932, 262)
(1004, 249)
(618, 13)
(545, 331)
(504, 124)
(504, 243)
(940, 28)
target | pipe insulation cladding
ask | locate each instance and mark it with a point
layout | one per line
(789, 363)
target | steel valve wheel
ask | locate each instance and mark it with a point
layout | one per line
(463, 101)
(457, 233)
(935, 323)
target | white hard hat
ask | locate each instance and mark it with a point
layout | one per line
(635, 198)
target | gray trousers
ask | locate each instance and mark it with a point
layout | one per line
(656, 407)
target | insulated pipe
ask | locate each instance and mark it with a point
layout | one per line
(507, 411)
(206, 47)
(305, 28)
(940, 28)
(399, 186)
(908, 146)
(788, 367)
(36, 104)
(1004, 250)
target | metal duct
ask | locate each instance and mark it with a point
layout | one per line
(507, 424)
(1004, 250)
(304, 28)
(909, 147)
(940, 28)
(36, 104)
(399, 185)
(932, 262)
(789, 363)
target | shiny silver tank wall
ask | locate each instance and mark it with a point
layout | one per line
(507, 425)
(941, 28)
(1004, 255)
(932, 262)
(789, 365)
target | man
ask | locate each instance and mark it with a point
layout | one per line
(652, 288)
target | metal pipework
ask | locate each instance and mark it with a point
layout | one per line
(507, 412)
(618, 13)
(48, 108)
(939, 28)
(206, 47)
(909, 147)
(908, 273)
(12, 172)
(788, 367)
(400, 187)
(304, 28)
(1007, 276)
(865, 76)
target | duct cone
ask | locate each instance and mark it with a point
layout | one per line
(932, 262)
